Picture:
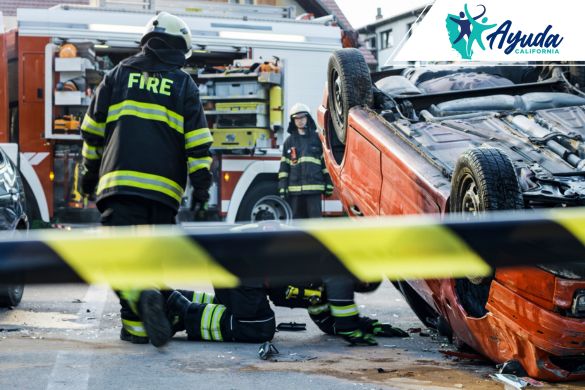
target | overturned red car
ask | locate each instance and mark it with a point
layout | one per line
(468, 140)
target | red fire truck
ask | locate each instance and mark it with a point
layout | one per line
(249, 70)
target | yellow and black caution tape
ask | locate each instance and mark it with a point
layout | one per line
(399, 248)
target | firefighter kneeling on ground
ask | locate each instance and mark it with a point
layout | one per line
(243, 314)
(143, 133)
(303, 176)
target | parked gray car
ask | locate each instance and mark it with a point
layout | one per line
(12, 219)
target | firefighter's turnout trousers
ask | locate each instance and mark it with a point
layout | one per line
(333, 311)
(125, 210)
(240, 314)
(305, 206)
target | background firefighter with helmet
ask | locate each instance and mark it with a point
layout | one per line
(144, 133)
(244, 314)
(303, 176)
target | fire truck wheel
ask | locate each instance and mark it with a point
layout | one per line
(262, 203)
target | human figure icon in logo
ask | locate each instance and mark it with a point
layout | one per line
(477, 30)
(465, 24)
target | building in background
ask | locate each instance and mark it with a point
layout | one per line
(385, 35)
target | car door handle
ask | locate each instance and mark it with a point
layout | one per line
(356, 211)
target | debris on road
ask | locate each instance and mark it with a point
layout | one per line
(267, 350)
(510, 381)
(291, 327)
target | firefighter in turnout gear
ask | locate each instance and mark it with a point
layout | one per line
(240, 314)
(144, 133)
(243, 314)
(330, 304)
(303, 176)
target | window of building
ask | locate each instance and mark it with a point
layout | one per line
(386, 39)
(371, 43)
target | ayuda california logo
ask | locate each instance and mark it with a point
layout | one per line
(466, 31)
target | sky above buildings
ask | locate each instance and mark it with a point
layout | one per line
(362, 12)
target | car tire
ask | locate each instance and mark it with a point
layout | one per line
(349, 85)
(425, 313)
(484, 180)
(261, 203)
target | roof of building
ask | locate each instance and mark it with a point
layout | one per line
(329, 7)
(372, 26)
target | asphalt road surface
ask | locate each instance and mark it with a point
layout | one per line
(66, 337)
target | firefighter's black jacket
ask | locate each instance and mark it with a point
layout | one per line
(302, 168)
(145, 129)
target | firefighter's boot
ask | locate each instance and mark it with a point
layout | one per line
(177, 305)
(151, 307)
(133, 332)
(132, 327)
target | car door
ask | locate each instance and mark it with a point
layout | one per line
(361, 175)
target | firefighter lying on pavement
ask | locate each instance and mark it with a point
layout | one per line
(243, 314)
(143, 133)
(303, 176)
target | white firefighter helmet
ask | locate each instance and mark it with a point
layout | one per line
(299, 108)
(167, 24)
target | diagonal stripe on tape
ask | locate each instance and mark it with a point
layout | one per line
(34, 262)
(573, 221)
(285, 257)
(424, 250)
(532, 242)
(137, 256)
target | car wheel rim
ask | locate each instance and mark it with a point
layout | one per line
(470, 206)
(470, 203)
(271, 208)
(337, 97)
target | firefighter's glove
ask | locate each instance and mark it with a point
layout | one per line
(387, 330)
(200, 211)
(377, 328)
(359, 338)
(89, 181)
(283, 193)
(199, 196)
(329, 190)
